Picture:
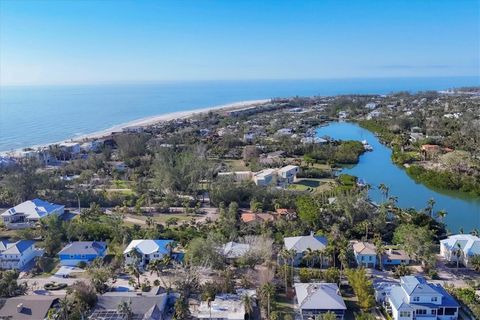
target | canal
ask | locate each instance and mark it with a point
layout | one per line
(376, 167)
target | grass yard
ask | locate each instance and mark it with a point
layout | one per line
(236, 165)
(284, 305)
(309, 184)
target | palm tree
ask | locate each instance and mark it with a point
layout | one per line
(285, 255)
(318, 254)
(442, 214)
(125, 308)
(343, 257)
(458, 253)
(248, 304)
(384, 190)
(63, 309)
(156, 266)
(430, 205)
(209, 304)
(135, 271)
(267, 291)
(309, 257)
(380, 250)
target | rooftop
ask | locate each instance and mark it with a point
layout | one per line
(319, 296)
(84, 247)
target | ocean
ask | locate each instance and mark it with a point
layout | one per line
(33, 115)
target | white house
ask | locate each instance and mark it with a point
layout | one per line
(461, 247)
(264, 177)
(414, 298)
(224, 307)
(315, 299)
(17, 255)
(29, 212)
(303, 244)
(288, 174)
(146, 251)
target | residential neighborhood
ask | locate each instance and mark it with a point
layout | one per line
(229, 215)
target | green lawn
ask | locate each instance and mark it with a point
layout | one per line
(236, 165)
(310, 184)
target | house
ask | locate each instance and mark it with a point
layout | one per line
(33, 307)
(234, 250)
(415, 298)
(284, 132)
(82, 251)
(288, 214)
(19, 254)
(371, 105)
(249, 217)
(146, 306)
(460, 247)
(71, 148)
(27, 213)
(147, 250)
(237, 176)
(303, 244)
(288, 174)
(365, 254)
(264, 177)
(319, 298)
(395, 257)
(224, 307)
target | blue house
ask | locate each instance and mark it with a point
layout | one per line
(82, 251)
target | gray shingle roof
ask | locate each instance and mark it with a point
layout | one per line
(84, 247)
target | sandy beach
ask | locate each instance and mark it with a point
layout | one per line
(145, 122)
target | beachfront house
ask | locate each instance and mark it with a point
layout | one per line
(27, 213)
(415, 298)
(395, 257)
(316, 299)
(19, 254)
(142, 252)
(264, 177)
(303, 244)
(460, 247)
(81, 251)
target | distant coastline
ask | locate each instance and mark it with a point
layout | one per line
(144, 123)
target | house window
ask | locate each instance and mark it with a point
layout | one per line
(434, 312)
(434, 299)
(71, 257)
(421, 311)
(416, 299)
(404, 314)
(370, 258)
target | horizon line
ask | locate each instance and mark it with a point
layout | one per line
(120, 82)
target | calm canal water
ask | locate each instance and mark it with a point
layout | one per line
(376, 167)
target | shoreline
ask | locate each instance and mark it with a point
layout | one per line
(142, 122)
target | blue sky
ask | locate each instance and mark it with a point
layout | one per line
(63, 42)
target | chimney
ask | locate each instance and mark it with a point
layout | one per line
(390, 250)
(19, 307)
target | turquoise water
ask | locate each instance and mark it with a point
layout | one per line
(376, 167)
(44, 114)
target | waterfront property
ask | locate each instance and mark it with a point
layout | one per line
(281, 177)
(415, 298)
(32, 307)
(144, 251)
(460, 247)
(147, 306)
(27, 213)
(82, 251)
(313, 299)
(18, 254)
(303, 244)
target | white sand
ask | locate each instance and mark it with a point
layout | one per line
(145, 122)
